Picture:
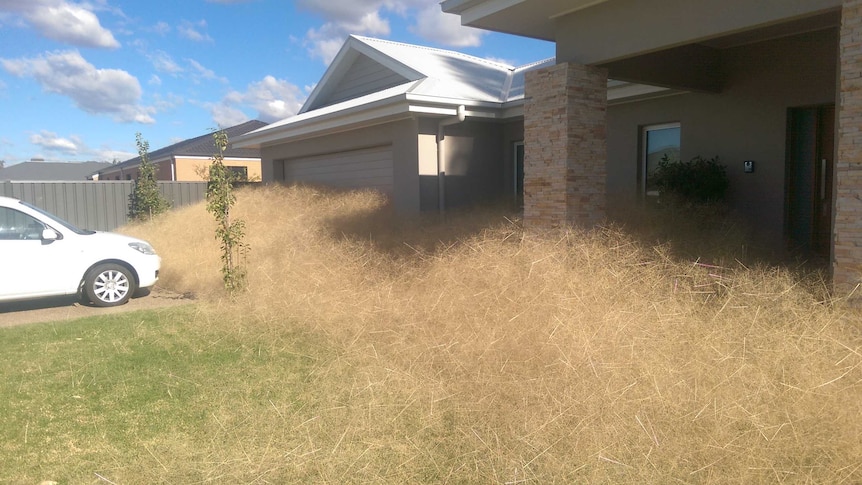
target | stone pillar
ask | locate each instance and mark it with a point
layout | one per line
(565, 146)
(847, 235)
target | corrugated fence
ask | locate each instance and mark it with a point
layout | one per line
(101, 206)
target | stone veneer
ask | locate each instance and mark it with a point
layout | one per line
(565, 146)
(847, 236)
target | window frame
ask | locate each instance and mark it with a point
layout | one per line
(645, 129)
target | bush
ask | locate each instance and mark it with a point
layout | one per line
(145, 201)
(700, 180)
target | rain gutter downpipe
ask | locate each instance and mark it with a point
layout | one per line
(441, 163)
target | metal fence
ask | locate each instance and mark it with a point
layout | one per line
(101, 206)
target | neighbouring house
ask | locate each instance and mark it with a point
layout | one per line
(38, 170)
(431, 128)
(187, 160)
(772, 87)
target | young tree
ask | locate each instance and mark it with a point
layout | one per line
(220, 200)
(145, 201)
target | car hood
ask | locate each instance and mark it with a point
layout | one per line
(111, 239)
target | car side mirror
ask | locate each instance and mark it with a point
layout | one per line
(49, 235)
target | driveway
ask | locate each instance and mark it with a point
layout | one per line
(68, 308)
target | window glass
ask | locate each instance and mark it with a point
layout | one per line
(659, 141)
(239, 173)
(17, 225)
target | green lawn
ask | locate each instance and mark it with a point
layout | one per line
(147, 397)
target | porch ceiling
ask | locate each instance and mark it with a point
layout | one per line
(598, 32)
(702, 61)
(526, 18)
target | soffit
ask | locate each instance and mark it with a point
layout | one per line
(527, 18)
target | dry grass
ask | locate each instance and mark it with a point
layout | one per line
(470, 351)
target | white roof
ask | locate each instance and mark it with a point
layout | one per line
(421, 80)
(435, 82)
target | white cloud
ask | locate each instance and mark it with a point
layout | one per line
(111, 92)
(227, 116)
(51, 142)
(436, 26)
(192, 31)
(56, 147)
(200, 72)
(371, 17)
(273, 99)
(163, 62)
(63, 21)
(161, 28)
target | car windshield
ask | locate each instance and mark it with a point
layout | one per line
(56, 219)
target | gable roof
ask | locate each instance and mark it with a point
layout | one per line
(59, 171)
(374, 80)
(201, 146)
(443, 73)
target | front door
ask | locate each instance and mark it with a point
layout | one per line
(811, 138)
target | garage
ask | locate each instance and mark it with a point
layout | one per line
(369, 168)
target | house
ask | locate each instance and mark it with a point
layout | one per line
(772, 87)
(38, 170)
(186, 160)
(432, 128)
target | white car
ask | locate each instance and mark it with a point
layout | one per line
(41, 255)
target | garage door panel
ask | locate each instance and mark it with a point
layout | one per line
(306, 168)
(366, 168)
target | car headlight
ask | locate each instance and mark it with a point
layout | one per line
(142, 247)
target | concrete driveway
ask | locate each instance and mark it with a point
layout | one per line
(68, 308)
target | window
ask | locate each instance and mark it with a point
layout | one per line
(657, 141)
(239, 173)
(17, 225)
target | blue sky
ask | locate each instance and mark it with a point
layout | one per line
(78, 79)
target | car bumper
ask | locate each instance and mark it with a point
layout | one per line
(148, 271)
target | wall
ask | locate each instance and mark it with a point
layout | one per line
(479, 162)
(101, 206)
(189, 168)
(747, 121)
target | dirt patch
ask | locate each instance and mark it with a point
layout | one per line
(68, 308)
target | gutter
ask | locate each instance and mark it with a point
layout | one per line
(441, 161)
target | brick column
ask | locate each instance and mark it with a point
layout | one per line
(847, 235)
(565, 146)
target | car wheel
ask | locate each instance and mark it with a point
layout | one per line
(109, 285)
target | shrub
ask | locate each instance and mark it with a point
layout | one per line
(700, 180)
(145, 201)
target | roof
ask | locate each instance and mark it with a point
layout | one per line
(405, 79)
(443, 73)
(55, 171)
(202, 146)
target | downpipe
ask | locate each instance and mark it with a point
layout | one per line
(441, 163)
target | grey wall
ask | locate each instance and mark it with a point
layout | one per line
(100, 206)
(478, 159)
(747, 121)
(479, 162)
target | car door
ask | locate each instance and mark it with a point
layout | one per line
(29, 265)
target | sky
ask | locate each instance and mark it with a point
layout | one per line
(78, 79)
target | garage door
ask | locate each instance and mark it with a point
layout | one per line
(366, 168)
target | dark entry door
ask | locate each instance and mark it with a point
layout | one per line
(811, 138)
